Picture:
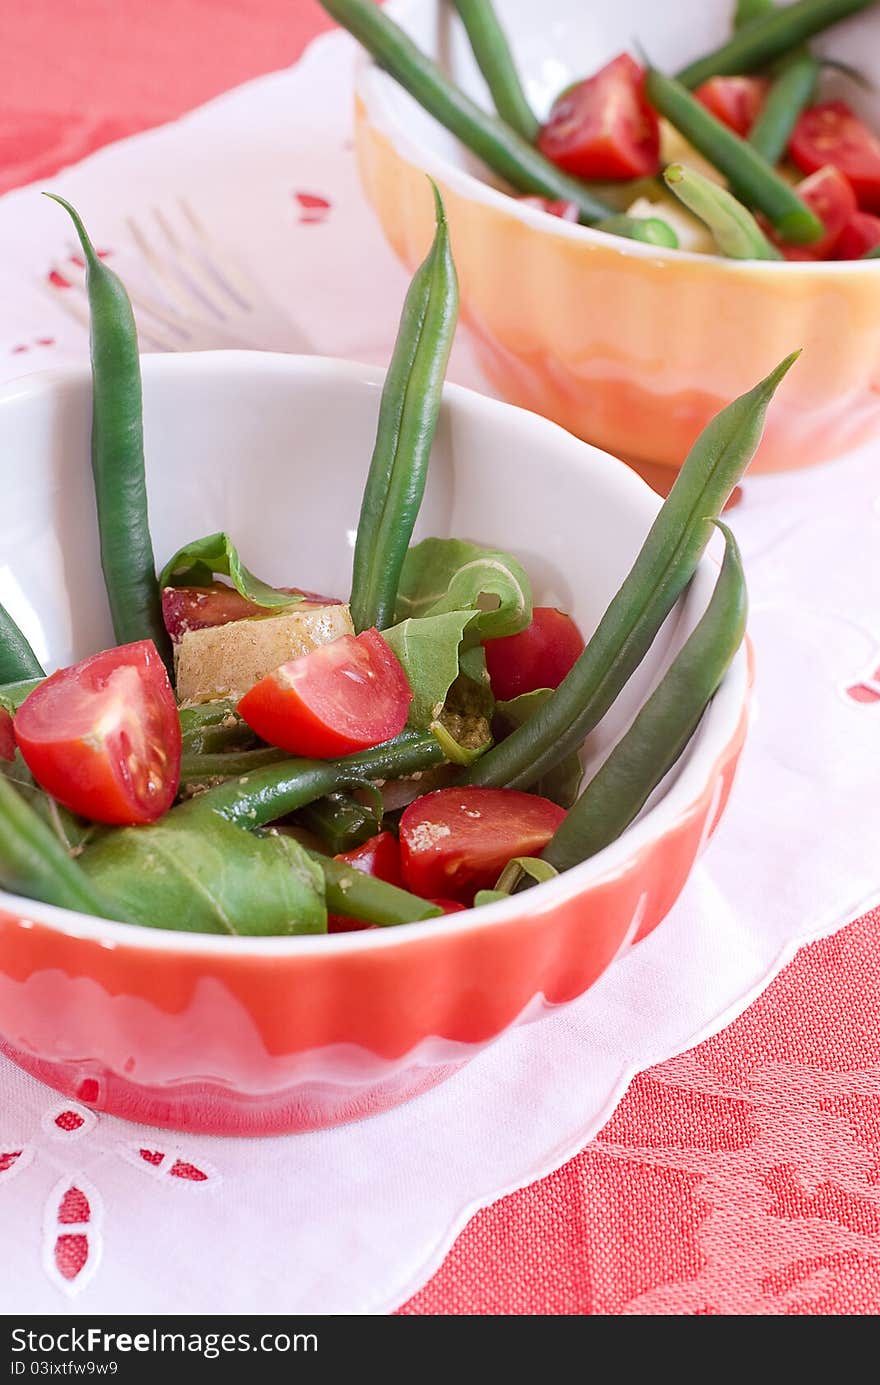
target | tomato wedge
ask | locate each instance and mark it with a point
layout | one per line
(538, 657)
(860, 234)
(339, 698)
(7, 736)
(603, 127)
(103, 737)
(829, 194)
(566, 211)
(735, 101)
(456, 841)
(197, 608)
(378, 856)
(832, 134)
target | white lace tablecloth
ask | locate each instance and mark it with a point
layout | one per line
(102, 1216)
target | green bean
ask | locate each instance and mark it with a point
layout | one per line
(118, 455)
(194, 720)
(647, 751)
(736, 231)
(17, 659)
(407, 422)
(495, 61)
(34, 863)
(355, 895)
(501, 148)
(747, 11)
(200, 767)
(645, 228)
(341, 822)
(792, 91)
(750, 176)
(660, 573)
(768, 37)
(272, 793)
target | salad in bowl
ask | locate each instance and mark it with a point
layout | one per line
(645, 214)
(188, 813)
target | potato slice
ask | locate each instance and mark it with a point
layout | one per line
(227, 660)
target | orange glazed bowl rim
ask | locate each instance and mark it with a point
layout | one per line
(372, 89)
(697, 769)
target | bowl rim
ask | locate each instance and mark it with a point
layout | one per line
(700, 766)
(371, 83)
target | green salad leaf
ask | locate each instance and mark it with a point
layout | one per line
(202, 874)
(12, 695)
(72, 832)
(452, 575)
(559, 784)
(197, 564)
(428, 649)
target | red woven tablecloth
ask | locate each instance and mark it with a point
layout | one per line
(742, 1177)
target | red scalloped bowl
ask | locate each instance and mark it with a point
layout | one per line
(258, 1036)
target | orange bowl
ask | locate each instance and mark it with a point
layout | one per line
(631, 347)
(255, 1035)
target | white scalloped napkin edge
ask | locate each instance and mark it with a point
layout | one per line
(354, 1220)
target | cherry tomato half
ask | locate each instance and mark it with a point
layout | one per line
(454, 842)
(103, 737)
(829, 194)
(603, 127)
(339, 698)
(566, 211)
(860, 234)
(449, 906)
(538, 657)
(197, 608)
(378, 856)
(832, 134)
(735, 101)
(7, 736)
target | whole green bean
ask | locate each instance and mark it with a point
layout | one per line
(768, 37)
(355, 895)
(792, 91)
(272, 793)
(340, 822)
(750, 176)
(647, 751)
(407, 422)
(663, 568)
(200, 767)
(747, 11)
(194, 720)
(736, 231)
(495, 61)
(118, 455)
(17, 660)
(506, 152)
(34, 863)
(650, 229)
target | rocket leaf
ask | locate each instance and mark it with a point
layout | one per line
(197, 563)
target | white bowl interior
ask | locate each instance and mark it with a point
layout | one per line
(275, 449)
(562, 40)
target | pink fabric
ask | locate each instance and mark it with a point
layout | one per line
(739, 1178)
